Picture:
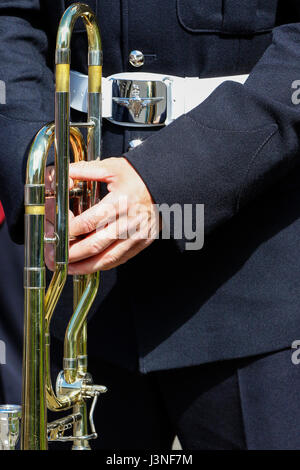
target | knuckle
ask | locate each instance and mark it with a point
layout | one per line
(108, 260)
(94, 247)
(87, 224)
(124, 259)
(146, 242)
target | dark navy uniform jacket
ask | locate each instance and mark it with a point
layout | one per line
(237, 153)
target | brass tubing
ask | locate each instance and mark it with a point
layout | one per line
(80, 428)
(34, 419)
(62, 137)
(59, 278)
(63, 58)
(75, 325)
(54, 291)
(79, 285)
(39, 307)
(67, 22)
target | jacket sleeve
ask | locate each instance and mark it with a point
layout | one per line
(233, 146)
(26, 100)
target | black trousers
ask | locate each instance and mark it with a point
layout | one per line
(238, 404)
(11, 316)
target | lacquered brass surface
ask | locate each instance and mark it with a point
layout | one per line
(74, 384)
(139, 102)
(10, 416)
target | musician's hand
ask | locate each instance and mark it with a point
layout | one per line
(117, 228)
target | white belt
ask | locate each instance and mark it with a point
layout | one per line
(146, 99)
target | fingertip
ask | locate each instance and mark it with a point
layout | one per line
(92, 170)
(73, 270)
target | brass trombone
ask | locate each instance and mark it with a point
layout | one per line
(74, 384)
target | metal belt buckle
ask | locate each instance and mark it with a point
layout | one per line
(138, 101)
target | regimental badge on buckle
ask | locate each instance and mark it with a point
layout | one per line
(139, 102)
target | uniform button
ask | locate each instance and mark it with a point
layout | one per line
(136, 58)
(134, 143)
